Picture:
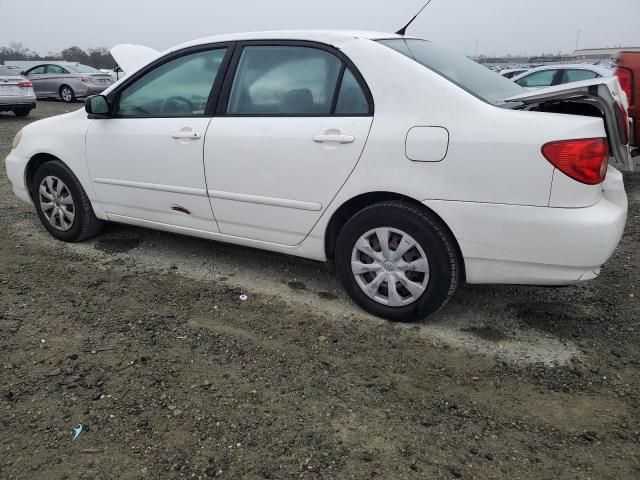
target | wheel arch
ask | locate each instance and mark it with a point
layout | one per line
(33, 165)
(355, 204)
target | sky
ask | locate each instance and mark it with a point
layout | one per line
(498, 27)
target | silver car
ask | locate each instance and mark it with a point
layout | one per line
(67, 81)
(16, 93)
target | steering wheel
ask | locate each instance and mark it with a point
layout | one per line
(177, 104)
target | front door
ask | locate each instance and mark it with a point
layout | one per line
(146, 161)
(293, 121)
(37, 77)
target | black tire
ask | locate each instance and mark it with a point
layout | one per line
(434, 239)
(85, 224)
(21, 111)
(67, 94)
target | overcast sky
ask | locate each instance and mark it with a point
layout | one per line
(499, 26)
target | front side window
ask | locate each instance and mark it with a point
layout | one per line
(284, 80)
(178, 88)
(575, 75)
(36, 71)
(543, 78)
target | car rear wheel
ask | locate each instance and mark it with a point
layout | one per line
(67, 94)
(22, 112)
(62, 204)
(397, 261)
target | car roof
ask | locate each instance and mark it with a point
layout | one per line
(573, 66)
(321, 36)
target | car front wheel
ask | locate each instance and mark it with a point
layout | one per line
(62, 204)
(397, 261)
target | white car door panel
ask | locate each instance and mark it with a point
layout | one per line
(292, 130)
(270, 179)
(140, 170)
(146, 160)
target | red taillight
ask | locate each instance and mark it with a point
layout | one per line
(584, 160)
(623, 118)
(625, 77)
(25, 84)
(85, 79)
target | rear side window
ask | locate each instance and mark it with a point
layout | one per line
(178, 88)
(284, 80)
(56, 69)
(578, 75)
(351, 99)
(543, 78)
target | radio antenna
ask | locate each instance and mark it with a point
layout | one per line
(403, 30)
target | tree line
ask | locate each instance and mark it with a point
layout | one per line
(95, 57)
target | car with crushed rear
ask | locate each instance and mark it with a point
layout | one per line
(410, 168)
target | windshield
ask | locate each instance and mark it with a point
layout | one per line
(83, 68)
(473, 77)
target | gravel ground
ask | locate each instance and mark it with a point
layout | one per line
(142, 338)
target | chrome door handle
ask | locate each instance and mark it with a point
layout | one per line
(188, 135)
(334, 138)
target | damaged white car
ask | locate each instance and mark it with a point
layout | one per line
(412, 168)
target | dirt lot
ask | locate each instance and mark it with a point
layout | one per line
(142, 338)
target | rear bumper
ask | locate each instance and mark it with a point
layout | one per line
(15, 166)
(9, 103)
(537, 245)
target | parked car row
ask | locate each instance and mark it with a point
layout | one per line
(66, 81)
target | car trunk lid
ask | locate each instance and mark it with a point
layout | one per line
(603, 93)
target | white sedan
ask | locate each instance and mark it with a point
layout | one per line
(412, 168)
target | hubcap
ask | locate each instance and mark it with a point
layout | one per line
(56, 203)
(66, 94)
(390, 266)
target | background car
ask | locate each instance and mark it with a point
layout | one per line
(16, 93)
(67, 81)
(513, 72)
(550, 75)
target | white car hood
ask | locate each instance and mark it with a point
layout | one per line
(131, 57)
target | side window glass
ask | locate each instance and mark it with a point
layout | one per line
(283, 80)
(543, 78)
(178, 88)
(351, 98)
(578, 75)
(55, 69)
(36, 71)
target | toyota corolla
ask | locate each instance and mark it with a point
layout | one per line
(413, 169)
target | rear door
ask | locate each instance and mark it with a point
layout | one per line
(291, 124)
(605, 93)
(52, 79)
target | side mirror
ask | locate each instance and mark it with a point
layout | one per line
(23, 73)
(97, 106)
